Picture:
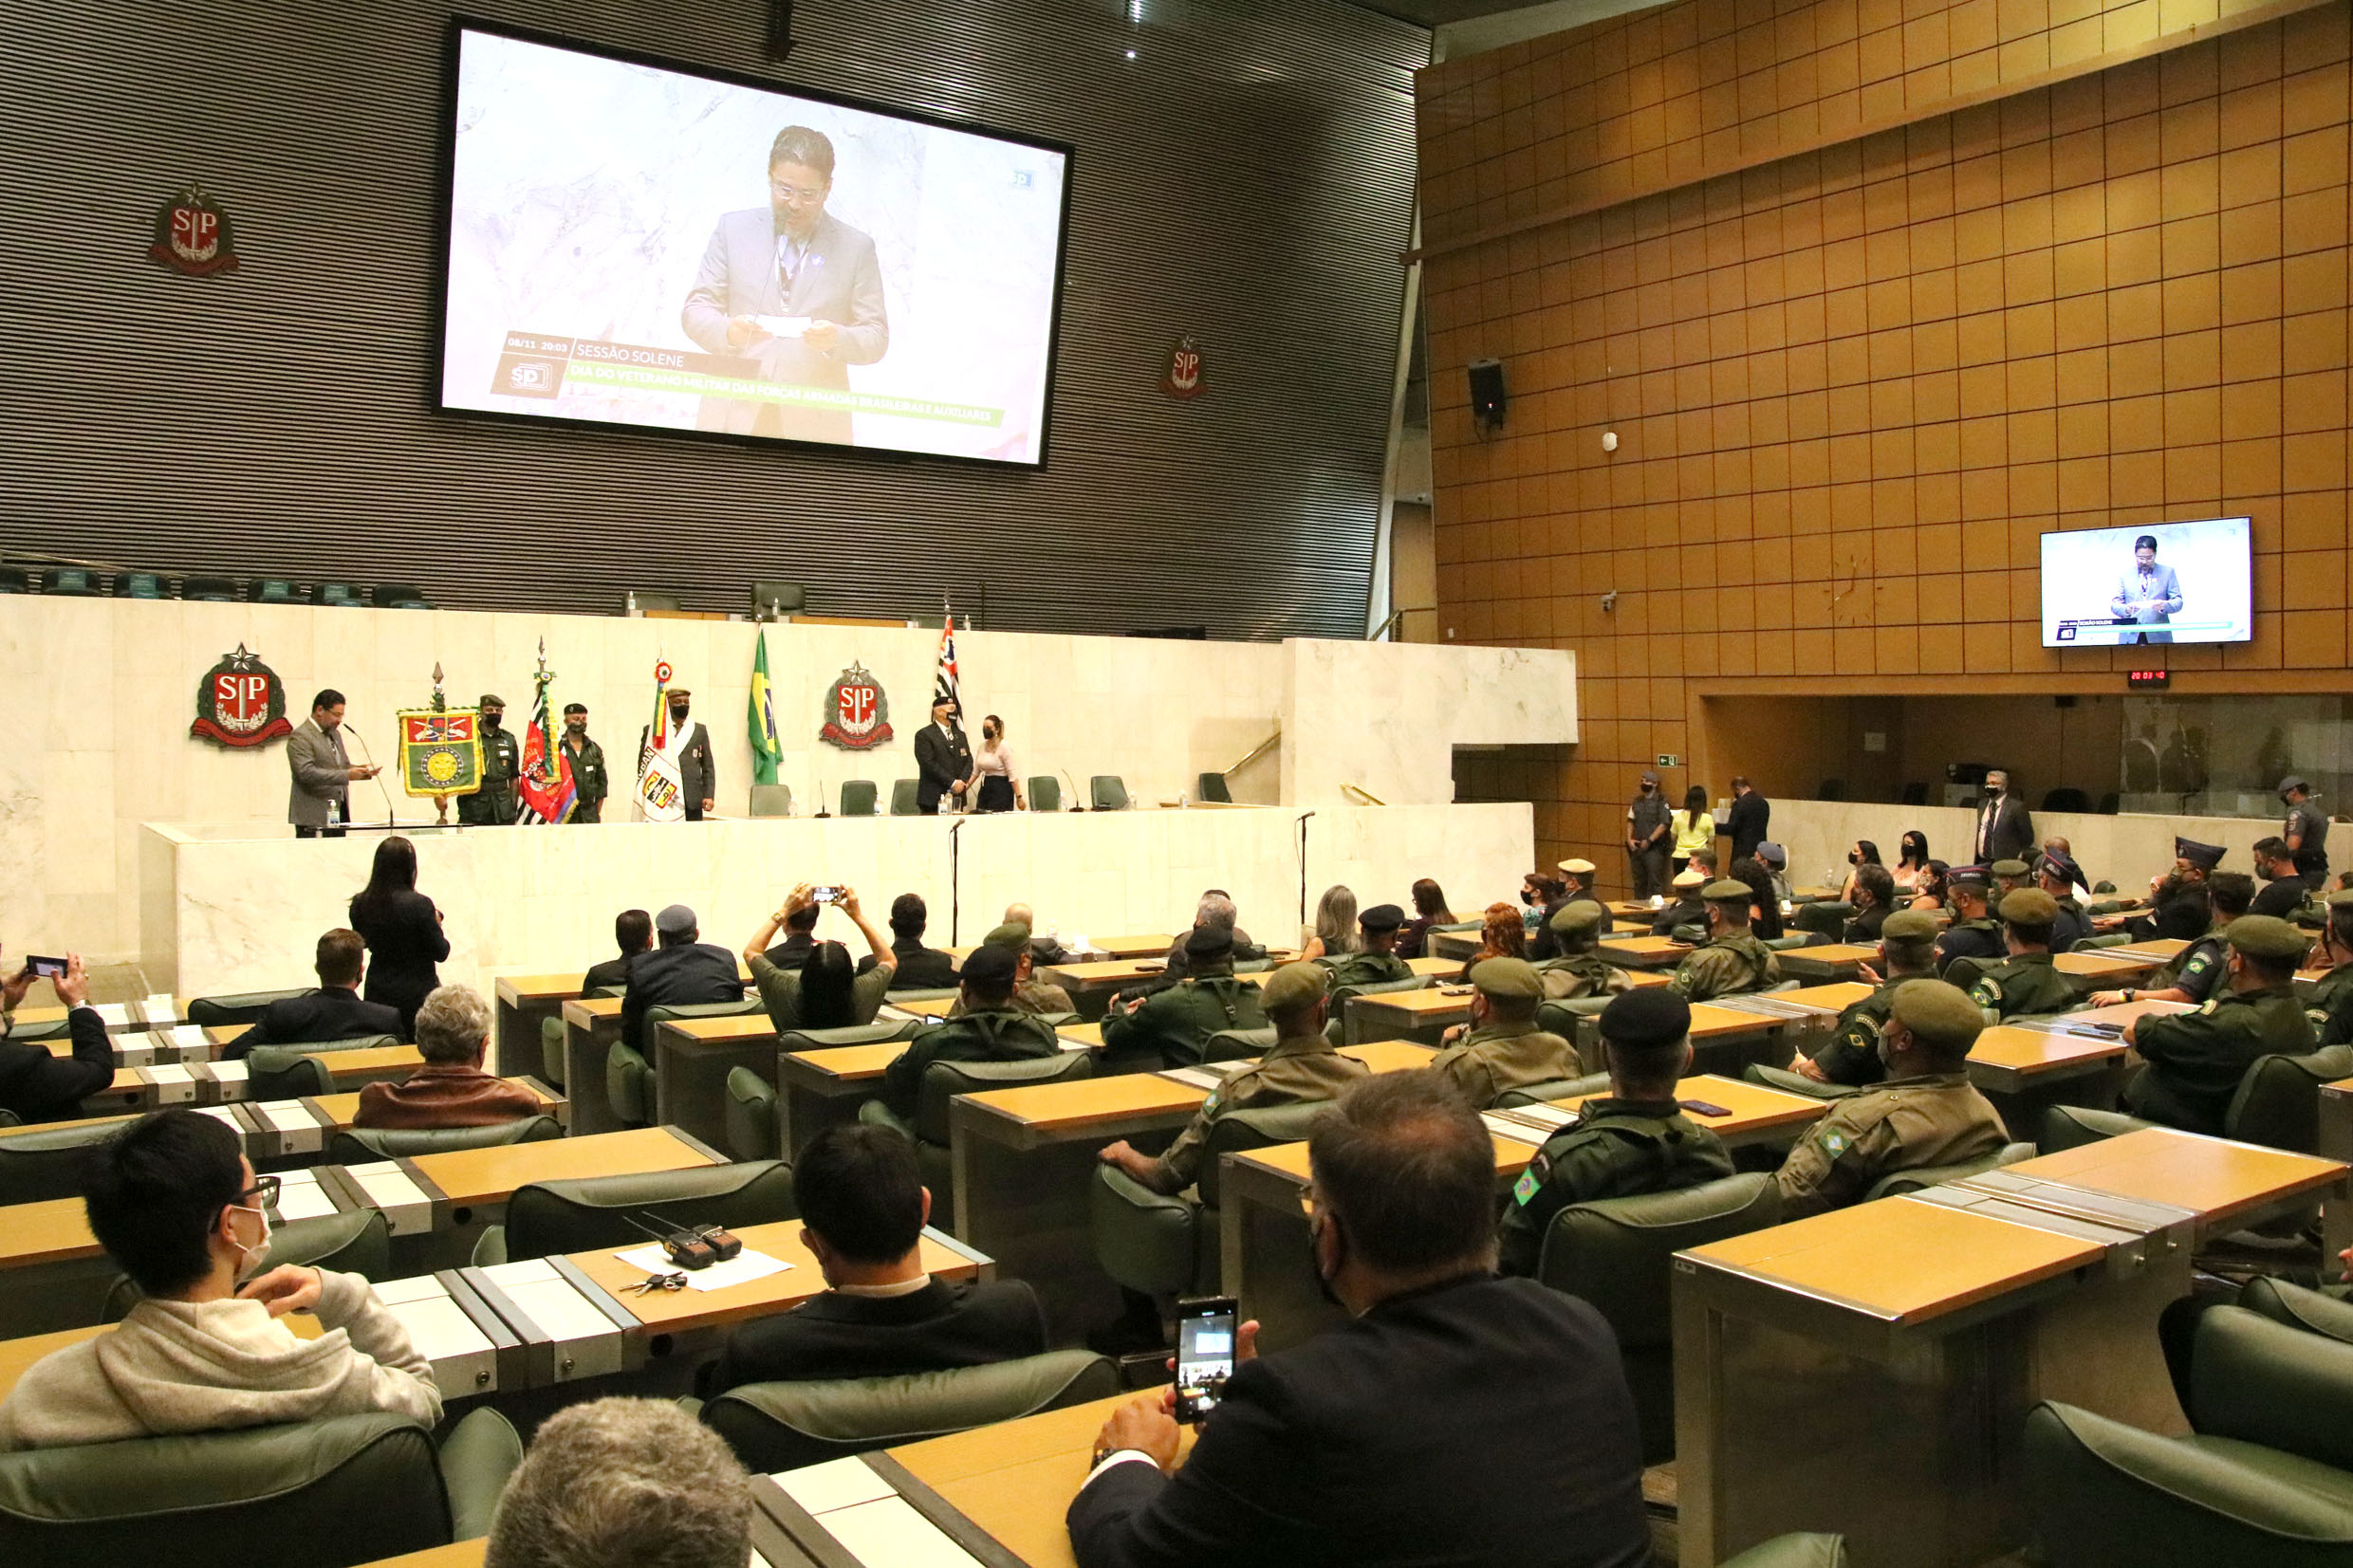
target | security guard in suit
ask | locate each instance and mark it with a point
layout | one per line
(1907, 952)
(495, 803)
(2196, 1059)
(2026, 982)
(1926, 1112)
(1378, 961)
(1171, 1027)
(1734, 961)
(1973, 933)
(1301, 1066)
(591, 784)
(2328, 1003)
(1501, 1048)
(989, 1029)
(1581, 969)
(1634, 1141)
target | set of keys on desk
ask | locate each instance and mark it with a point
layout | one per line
(675, 1280)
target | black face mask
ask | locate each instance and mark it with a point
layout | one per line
(493, 722)
(1853, 859)
(677, 712)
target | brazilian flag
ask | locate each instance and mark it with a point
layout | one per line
(761, 715)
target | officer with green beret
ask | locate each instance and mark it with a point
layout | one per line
(2026, 982)
(1501, 1047)
(1171, 1026)
(1377, 960)
(2328, 1003)
(1907, 952)
(1038, 998)
(1926, 1112)
(1973, 933)
(1734, 961)
(2008, 877)
(988, 1029)
(1581, 969)
(591, 784)
(495, 805)
(2195, 1059)
(2194, 973)
(1299, 1068)
(1632, 1141)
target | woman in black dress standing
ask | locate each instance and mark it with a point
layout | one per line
(402, 931)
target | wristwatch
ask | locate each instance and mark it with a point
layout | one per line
(2128, 993)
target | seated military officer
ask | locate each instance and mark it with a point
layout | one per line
(989, 1029)
(1734, 961)
(1501, 1047)
(1171, 1026)
(1684, 905)
(1581, 969)
(1973, 933)
(2196, 1059)
(2195, 972)
(1376, 961)
(1030, 995)
(2178, 910)
(2329, 1003)
(2008, 877)
(1300, 1067)
(2056, 873)
(1926, 1112)
(1634, 1141)
(1580, 872)
(2026, 982)
(1907, 952)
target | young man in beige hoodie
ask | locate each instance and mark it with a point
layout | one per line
(175, 1202)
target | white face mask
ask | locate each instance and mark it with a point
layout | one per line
(244, 1254)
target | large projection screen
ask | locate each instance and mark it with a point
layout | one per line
(2150, 584)
(634, 245)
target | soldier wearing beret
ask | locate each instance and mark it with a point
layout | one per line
(1171, 1026)
(1300, 1067)
(495, 805)
(2008, 877)
(1907, 952)
(2058, 875)
(2178, 897)
(2329, 1003)
(1581, 971)
(1580, 872)
(2195, 972)
(2306, 831)
(1926, 1112)
(1038, 998)
(2196, 1059)
(1633, 1141)
(2026, 982)
(1734, 961)
(1377, 960)
(591, 784)
(988, 1027)
(1501, 1048)
(1973, 934)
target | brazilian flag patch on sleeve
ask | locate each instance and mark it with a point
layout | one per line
(1531, 1180)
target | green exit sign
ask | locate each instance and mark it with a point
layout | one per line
(1668, 759)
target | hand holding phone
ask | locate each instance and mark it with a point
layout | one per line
(1207, 1329)
(45, 968)
(826, 895)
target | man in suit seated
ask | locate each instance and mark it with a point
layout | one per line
(1045, 951)
(864, 1207)
(37, 1084)
(1214, 911)
(1501, 1047)
(988, 1029)
(615, 1481)
(633, 932)
(451, 1089)
(1459, 1418)
(920, 969)
(684, 971)
(334, 1011)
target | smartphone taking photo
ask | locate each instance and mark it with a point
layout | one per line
(1206, 1326)
(49, 968)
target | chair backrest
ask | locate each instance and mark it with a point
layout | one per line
(783, 1426)
(353, 1240)
(772, 799)
(237, 1008)
(1260, 1128)
(1215, 790)
(1236, 1044)
(628, 1083)
(881, 1031)
(1964, 972)
(366, 1145)
(1897, 1183)
(2278, 1103)
(588, 1211)
(902, 797)
(1107, 792)
(204, 1501)
(1559, 1088)
(41, 1163)
(315, 1047)
(2103, 885)
(1045, 792)
(944, 1080)
(751, 1130)
(1795, 939)
(1827, 918)
(551, 1049)
(857, 795)
(285, 1072)
(2065, 798)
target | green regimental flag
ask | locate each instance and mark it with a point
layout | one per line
(761, 715)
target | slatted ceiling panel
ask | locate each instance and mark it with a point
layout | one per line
(1247, 179)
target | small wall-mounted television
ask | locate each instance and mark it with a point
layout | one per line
(2150, 585)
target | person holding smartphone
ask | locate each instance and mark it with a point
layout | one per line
(36, 1084)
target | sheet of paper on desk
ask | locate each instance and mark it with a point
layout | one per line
(741, 1269)
(158, 1008)
(835, 1484)
(1504, 1125)
(1195, 1077)
(188, 1037)
(890, 1534)
(1551, 1118)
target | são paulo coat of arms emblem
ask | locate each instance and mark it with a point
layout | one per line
(858, 715)
(240, 702)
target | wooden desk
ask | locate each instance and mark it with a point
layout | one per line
(2006, 1059)
(692, 1058)
(524, 1002)
(1421, 1015)
(1829, 961)
(2124, 1012)
(145, 1047)
(136, 1090)
(1643, 952)
(820, 1089)
(2160, 949)
(1450, 945)
(1833, 998)
(1141, 944)
(922, 1006)
(592, 1026)
(53, 1274)
(118, 1017)
(2226, 1185)
(1814, 895)
(1092, 985)
(457, 1554)
(2103, 968)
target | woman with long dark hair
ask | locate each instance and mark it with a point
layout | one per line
(1911, 867)
(1765, 906)
(402, 931)
(992, 771)
(1930, 895)
(1429, 909)
(1693, 827)
(1865, 853)
(823, 990)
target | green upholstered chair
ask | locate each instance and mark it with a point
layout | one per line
(2313, 1311)
(1799, 1551)
(237, 1008)
(36, 1034)
(2277, 1104)
(1563, 1088)
(1796, 1083)
(399, 595)
(1827, 919)
(76, 582)
(551, 1049)
(752, 1129)
(286, 1072)
(2265, 1477)
(783, 1426)
(206, 1501)
(1964, 972)
(1797, 939)
(1238, 1045)
(1338, 1028)
(546, 1218)
(1213, 790)
(1895, 1183)
(629, 1077)
(1576, 1019)
(944, 1080)
(9, 1118)
(881, 1031)
(902, 797)
(1045, 792)
(342, 595)
(143, 586)
(1615, 1254)
(316, 1047)
(366, 1145)
(772, 799)
(356, 1241)
(2113, 939)
(39, 1163)
(1107, 792)
(857, 798)
(1162, 1246)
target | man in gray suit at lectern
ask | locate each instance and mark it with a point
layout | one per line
(795, 289)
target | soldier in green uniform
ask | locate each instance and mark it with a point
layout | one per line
(1733, 960)
(1378, 961)
(1501, 1047)
(2196, 1059)
(495, 803)
(2026, 982)
(2008, 877)
(1301, 1066)
(2057, 874)
(2195, 972)
(1926, 1112)
(2329, 1002)
(1907, 952)
(1973, 933)
(1035, 997)
(1580, 872)
(989, 1028)
(1171, 1026)
(1633, 1141)
(1581, 969)
(585, 758)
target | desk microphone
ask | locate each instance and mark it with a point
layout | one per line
(369, 758)
(1074, 790)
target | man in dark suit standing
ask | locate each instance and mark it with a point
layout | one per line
(795, 289)
(1751, 819)
(943, 759)
(320, 802)
(682, 972)
(334, 1011)
(2005, 831)
(864, 1205)
(1460, 1418)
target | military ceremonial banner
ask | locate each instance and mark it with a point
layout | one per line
(441, 752)
(662, 793)
(545, 786)
(761, 716)
(944, 683)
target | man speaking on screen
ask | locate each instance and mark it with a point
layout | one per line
(795, 291)
(2149, 594)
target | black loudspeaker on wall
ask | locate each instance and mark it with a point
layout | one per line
(1486, 395)
(780, 39)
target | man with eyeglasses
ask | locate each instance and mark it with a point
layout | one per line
(794, 290)
(177, 1206)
